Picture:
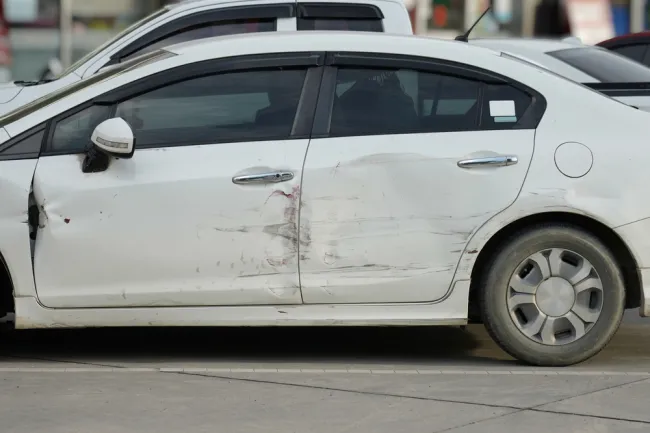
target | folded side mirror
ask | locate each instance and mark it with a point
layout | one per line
(114, 137)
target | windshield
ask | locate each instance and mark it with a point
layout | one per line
(103, 75)
(119, 36)
(603, 65)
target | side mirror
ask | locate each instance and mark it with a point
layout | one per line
(114, 137)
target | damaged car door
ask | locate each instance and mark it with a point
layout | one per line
(204, 214)
(411, 159)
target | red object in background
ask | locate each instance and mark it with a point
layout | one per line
(5, 45)
(440, 15)
(629, 39)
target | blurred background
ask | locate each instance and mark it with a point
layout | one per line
(30, 30)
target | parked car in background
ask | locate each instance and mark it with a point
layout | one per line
(199, 19)
(635, 46)
(5, 47)
(597, 67)
(328, 178)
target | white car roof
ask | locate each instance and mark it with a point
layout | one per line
(192, 4)
(540, 45)
(258, 43)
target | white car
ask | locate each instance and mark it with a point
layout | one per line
(197, 19)
(339, 178)
(596, 67)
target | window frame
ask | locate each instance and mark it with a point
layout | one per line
(206, 18)
(529, 120)
(310, 61)
(339, 11)
(19, 139)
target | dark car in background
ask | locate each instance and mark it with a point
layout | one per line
(635, 46)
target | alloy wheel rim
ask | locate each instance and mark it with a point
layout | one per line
(555, 297)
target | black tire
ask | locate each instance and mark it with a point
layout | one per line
(494, 290)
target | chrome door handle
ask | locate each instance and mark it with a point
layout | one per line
(273, 177)
(490, 161)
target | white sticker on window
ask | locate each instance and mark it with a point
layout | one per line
(503, 109)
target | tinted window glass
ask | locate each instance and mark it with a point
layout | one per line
(604, 65)
(369, 102)
(30, 144)
(240, 106)
(207, 31)
(355, 25)
(634, 52)
(73, 133)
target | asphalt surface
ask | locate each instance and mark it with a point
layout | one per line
(313, 380)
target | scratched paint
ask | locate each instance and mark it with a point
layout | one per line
(140, 235)
(389, 217)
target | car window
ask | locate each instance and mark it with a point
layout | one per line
(72, 134)
(210, 30)
(603, 65)
(634, 52)
(26, 144)
(343, 24)
(373, 101)
(238, 106)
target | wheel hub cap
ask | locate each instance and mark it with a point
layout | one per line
(555, 297)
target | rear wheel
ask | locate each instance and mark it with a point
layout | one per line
(553, 295)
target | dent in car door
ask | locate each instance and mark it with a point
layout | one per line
(389, 210)
(18, 158)
(179, 224)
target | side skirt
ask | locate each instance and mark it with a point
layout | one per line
(450, 311)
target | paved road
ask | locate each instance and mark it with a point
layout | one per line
(313, 380)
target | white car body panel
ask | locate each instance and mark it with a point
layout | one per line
(426, 284)
(396, 20)
(206, 240)
(364, 194)
(15, 185)
(453, 311)
(8, 92)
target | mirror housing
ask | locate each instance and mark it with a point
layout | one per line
(114, 137)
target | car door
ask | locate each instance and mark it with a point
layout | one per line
(408, 158)
(204, 214)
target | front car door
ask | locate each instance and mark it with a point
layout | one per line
(206, 211)
(407, 159)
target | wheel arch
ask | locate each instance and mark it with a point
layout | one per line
(608, 236)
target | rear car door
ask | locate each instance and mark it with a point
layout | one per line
(206, 211)
(407, 159)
